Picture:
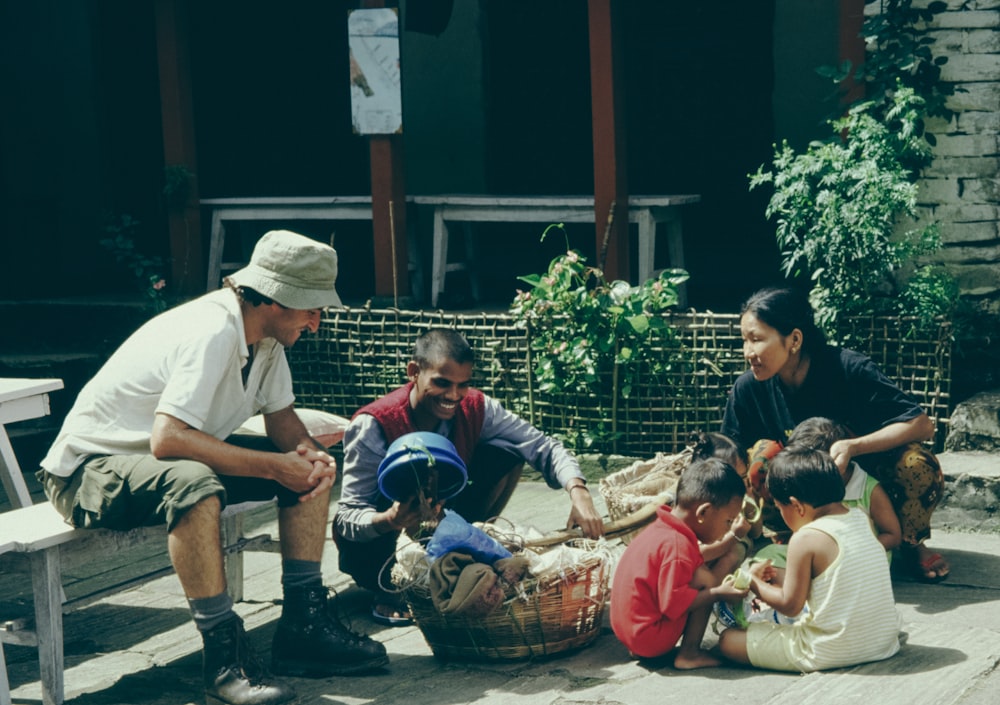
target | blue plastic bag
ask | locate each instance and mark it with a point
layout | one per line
(454, 533)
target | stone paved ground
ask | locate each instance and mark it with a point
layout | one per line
(140, 647)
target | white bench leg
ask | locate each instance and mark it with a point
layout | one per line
(232, 531)
(10, 473)
(4, 683)
(471, 262)
(216, 245)
(675, 249)
(439, 255)
(46, 583)
(647, 246)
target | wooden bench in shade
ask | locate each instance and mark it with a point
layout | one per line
(647, 211)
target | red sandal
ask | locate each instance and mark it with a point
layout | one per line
(921, 569)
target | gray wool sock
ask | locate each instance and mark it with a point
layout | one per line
(210, 612)
(300, 574)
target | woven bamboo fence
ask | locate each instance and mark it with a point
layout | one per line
(360, 354)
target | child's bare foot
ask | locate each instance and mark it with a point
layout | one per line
(695, 659)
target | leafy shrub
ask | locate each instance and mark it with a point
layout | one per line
(837, 206)
(147, 270)
(585, 330)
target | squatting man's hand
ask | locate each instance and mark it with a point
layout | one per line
(583, 514)
(409, 514)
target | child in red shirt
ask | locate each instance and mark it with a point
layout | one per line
(662, 591)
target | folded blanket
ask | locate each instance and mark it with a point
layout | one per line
(461, 586)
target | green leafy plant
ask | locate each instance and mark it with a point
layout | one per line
(585, 330)
(842, 206)
(147, 270)
(899, 52)
(837, 206)
(177, 185)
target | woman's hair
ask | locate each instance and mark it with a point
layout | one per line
(785, 310)
(440, 344)
(817, 433)
(717, 445)
(810, 476)
(710, 480)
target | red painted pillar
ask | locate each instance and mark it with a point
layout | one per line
(392, 276)
(851, 45)
(608, 109)
(177, 118)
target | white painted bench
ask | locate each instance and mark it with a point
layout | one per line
(39, 533)
(323, 208)
(646, 211)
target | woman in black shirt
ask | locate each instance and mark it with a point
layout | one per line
(794, 375)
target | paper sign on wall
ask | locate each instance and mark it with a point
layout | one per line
(376, 96)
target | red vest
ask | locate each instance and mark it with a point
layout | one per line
(393, 414)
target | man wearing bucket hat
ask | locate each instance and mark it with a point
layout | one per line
(150, 440)
(493, 443)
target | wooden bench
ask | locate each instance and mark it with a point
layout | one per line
(324, 208)
(37, 533)
(647, 211)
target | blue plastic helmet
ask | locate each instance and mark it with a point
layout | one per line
(406, 467)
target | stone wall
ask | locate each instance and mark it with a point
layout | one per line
(961, 189)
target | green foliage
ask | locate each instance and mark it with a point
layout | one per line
(928, 294)
(840, 204)
(177, 184)
(585, 329)
(899, 53)
(148, 271)
(837, 205)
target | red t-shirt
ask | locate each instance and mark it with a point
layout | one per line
(651, 592)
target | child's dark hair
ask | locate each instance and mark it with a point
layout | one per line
(439, 344)
(809, 475)
(710, 480)
(717, 445)
(817, 433)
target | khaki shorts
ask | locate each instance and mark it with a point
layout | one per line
(125, 491)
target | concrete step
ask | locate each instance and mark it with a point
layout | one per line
(972, 491)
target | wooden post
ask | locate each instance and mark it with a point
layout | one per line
(388, 191)
(608, 108)
(177, 118)
(851, 45)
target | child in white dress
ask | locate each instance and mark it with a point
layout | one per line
(835, 566)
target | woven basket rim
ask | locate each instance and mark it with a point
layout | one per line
(521, 627)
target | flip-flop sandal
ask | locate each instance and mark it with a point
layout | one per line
(922, 568)
(389, 620)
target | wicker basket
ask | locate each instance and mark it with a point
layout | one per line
(545, 617)
(641, 483)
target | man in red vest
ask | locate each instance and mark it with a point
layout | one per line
(494, 443)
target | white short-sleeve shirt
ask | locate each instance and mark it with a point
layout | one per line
(187, 362)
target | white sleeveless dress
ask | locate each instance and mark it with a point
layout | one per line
(852, 615)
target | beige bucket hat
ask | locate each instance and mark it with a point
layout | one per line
(293, 270)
